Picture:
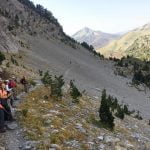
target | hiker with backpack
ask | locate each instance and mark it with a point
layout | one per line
(9, 91)
(24, 82)
(4, 96)
(13, 85)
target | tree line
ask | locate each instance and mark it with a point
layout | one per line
(41, 11)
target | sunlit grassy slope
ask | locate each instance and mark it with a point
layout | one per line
(134, 43)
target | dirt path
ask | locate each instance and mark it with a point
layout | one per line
(13, 139)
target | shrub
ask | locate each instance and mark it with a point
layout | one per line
(75, 93)
(32, 82)
(45, 97)
(14, 61)
(24, 112)
(138, 116)
(120, 63)
(146, 67)
(41, 73)
(120, 112)
(10, 28)
(2, 57)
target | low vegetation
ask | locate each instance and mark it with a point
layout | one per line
(50, 121)
(91, 49)
(56, 84)
(131, 67)
(41, 11)
(110, 108)
(14, 61)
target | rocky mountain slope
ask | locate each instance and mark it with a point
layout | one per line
(37, 37)
(46, 47)
(64, 125)
(96, 38)
(21, 17)
(134, 43)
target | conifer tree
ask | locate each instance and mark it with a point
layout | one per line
(47, 79)
(105, 114)
(75, 93)
(56, 86)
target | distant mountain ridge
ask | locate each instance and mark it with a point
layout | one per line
(96, 38)
(135, 43)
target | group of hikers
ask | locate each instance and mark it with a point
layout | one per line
(8, 93)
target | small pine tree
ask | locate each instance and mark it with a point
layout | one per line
(105, 114)
(56, 86)
(110, 101)
(75, 93)
(47, 79)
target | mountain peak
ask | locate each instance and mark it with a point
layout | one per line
(87, 29)
(92, 37)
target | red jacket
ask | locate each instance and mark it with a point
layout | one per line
(12, 84)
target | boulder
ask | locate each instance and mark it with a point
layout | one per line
(55, 147)
(2, 148)
(101, 138)
(111, 139)
(80, 128)
(101, 147)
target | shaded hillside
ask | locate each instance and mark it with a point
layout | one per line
(134, 43)
(21, 17)
(96, 38)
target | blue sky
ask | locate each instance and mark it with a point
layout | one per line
(110, 16)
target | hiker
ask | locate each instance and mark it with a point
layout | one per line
(9, 91)
(4, 102)
(12, 85)
(24, 82)
(2, 121)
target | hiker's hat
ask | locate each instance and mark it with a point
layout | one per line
(13, 77)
